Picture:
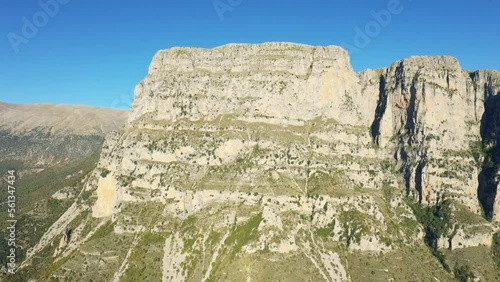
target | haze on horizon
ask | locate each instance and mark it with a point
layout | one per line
(94, 53)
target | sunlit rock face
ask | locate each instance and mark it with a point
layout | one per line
(422, 113)
(248, 153)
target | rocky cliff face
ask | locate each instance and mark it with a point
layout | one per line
(283, 81)
(423, 111)
(244, 154)
(439, 115)
(429, 114)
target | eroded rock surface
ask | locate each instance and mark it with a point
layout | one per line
(243, 154)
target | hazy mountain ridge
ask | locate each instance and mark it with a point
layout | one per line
(45, 134)
(73, 119)
(243, 155)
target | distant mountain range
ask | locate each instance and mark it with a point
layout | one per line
(46, 133)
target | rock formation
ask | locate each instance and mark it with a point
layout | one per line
(243, 154)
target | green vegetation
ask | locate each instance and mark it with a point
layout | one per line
(85, 196)
(244, 233)
(463, 273)
(104, 172)
(432, 137)
(480, 154)
(43, 265)
(145, 259)
(242, 165)
(103, 231)
(312, 168)
(387, 165)
(150, 238)
(189, 224)
(213, 238)
(436, 222)
(478, 259)
(326, 231)
(37, 211)
(355, 225)
(402, 264)
(33, 187)
(126, 180)
(321, 183)
(495, 248)
(463, 216)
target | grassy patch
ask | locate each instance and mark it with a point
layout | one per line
(103, 231)
(189, 224)
(244, 233)
(495, 248)
(145, 259)
(152, 238)
(326, 231)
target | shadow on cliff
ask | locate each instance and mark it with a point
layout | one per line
(379, 111)
(490, 135)
(412, 162)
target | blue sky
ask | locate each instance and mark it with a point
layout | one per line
(95, 52)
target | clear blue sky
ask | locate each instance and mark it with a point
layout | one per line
(94, 52)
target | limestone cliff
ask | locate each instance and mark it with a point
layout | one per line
(426, 111)
(240, 155)
(288, 82)
(432, 113)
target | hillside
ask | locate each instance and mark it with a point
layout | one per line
(51, 148)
